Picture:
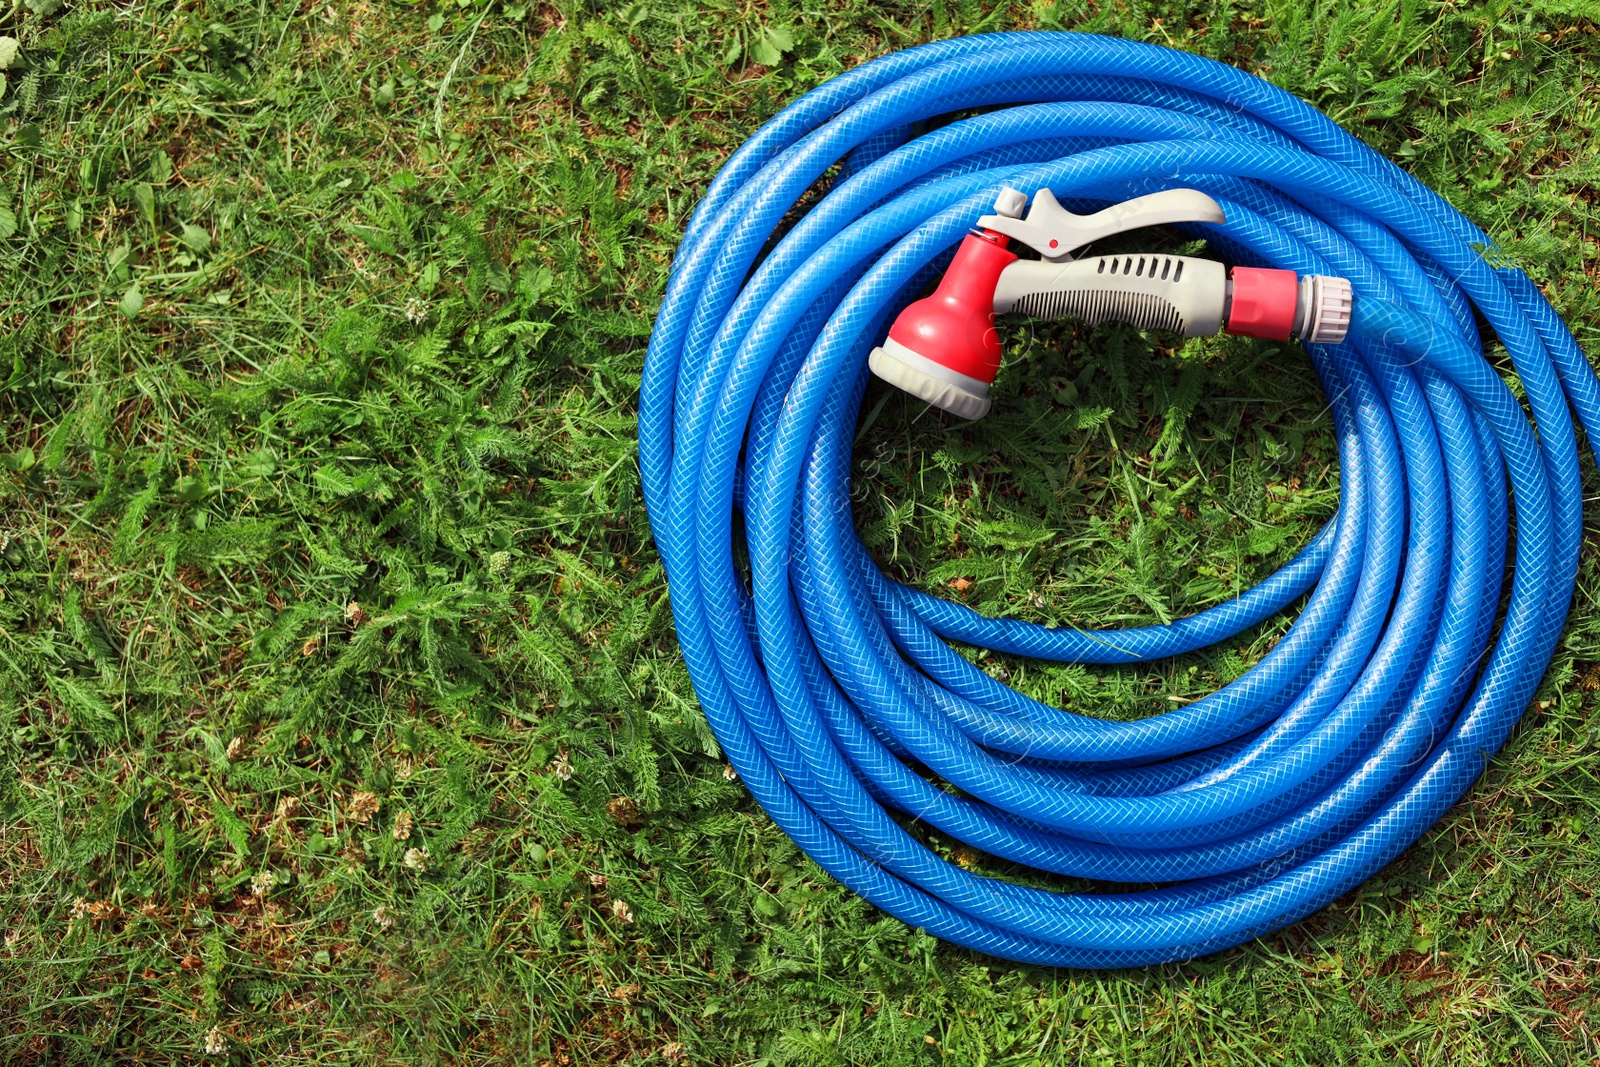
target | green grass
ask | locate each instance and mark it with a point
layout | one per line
(321, 541)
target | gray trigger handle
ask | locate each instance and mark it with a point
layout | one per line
(1055, 233)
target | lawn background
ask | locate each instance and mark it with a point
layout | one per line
(341, 718)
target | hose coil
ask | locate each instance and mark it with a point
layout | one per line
(832, 689)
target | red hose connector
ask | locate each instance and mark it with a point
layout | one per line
(1264, 303)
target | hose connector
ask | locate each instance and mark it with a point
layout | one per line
(1274, 305)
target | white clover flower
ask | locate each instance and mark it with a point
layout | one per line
(216, 1043)
(363, 806)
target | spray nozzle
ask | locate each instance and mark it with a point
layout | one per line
(944, 348)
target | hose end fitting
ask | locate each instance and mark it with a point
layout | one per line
(1324, 312)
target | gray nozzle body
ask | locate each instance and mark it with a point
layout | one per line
(1182, 294)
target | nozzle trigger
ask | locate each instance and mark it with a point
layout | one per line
(1055, 233)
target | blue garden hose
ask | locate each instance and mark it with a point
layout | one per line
(832, 689)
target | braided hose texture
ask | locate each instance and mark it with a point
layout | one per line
(834, 691)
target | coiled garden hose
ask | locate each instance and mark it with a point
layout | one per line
(832, 689)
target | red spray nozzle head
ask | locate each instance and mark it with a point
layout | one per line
(944, 348)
